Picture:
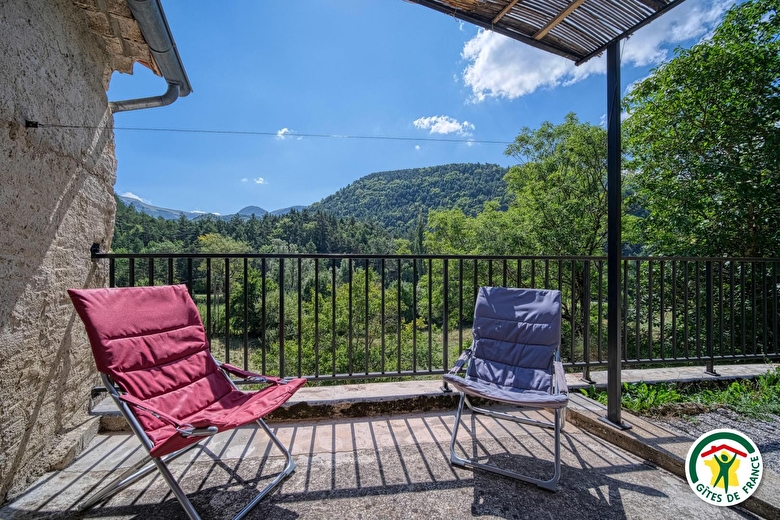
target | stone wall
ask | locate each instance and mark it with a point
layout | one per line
(56, 199)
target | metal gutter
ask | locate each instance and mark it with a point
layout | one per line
(154, 27)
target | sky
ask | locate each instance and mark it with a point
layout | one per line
(367, 68)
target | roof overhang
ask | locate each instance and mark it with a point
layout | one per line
(575, 29)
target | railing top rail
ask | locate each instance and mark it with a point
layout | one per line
(370, 256)
(343, 255)
(698, 259)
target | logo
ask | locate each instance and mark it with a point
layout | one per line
(723, 467)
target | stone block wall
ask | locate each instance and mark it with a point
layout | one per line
(56, 199)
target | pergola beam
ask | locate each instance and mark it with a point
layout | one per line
(485, 23)
(505, 10)
(541, 33)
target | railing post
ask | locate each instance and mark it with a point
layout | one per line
(586, 323)
(189, 275)
(281, 317)
(445, 322)
(227, 310)
(710, 369)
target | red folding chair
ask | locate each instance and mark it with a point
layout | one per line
(152, 352)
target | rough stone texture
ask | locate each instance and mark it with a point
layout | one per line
(56, 200)
(113, 23)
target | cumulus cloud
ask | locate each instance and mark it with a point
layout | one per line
(443, 125)
(130, 195)
(499, 67)
(245, 179)
(284, 133)
(259, 180)
(417, 147)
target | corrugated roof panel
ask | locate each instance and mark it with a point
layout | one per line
(575, 29)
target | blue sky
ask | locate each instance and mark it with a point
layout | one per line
(350, 67)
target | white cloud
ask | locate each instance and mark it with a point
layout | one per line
(499, 67)
(244, 180)
(284, 132)
(692, 19)
(130, 195)
(443, 125)
(417, 147)
(260, 180)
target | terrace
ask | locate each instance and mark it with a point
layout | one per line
(337, 318)
(396, 466)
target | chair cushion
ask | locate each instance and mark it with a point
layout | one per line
(516, 335)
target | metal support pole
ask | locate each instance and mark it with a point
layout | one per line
(614, 246)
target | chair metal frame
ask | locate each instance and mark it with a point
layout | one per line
(557, 425)
(149, 463)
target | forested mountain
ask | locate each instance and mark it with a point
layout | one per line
(397, 198)
(296, 231)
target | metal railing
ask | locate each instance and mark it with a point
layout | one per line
(334, 317)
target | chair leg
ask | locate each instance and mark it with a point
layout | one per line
(133, 474)
(289, 467)
(149, 464)
(177, 490)
(556, 425)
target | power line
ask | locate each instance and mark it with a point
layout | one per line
(35, 124)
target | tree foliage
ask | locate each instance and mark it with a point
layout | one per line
(558, 199)
(297, 231)
(704, 139)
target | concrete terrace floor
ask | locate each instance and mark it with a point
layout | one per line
(389, 466)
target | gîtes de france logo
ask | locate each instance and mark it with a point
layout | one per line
(723, 467)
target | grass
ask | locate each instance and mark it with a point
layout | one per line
(754, 398)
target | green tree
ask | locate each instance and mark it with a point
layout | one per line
(704, 140)
(560, 187)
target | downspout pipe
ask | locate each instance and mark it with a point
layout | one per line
(154, 27)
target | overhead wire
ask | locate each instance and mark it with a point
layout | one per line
(288, 135)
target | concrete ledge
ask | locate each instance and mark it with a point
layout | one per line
(363, 400)
(332, 402)
(662, 448)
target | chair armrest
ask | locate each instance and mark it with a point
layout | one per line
(560, 378)
(461, 361)
(250, 376)
(185, 429)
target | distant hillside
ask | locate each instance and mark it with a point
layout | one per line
(395, 198)
(154, 211)
(175, 214)
(248, 211)
(285, 211)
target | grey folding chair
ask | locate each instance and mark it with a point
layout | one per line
(514, 359)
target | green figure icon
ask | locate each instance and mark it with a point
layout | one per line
(724, 464)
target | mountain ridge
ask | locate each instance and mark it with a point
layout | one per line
(175, 214)
(398, 200)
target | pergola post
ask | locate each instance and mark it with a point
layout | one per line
(614, 243)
